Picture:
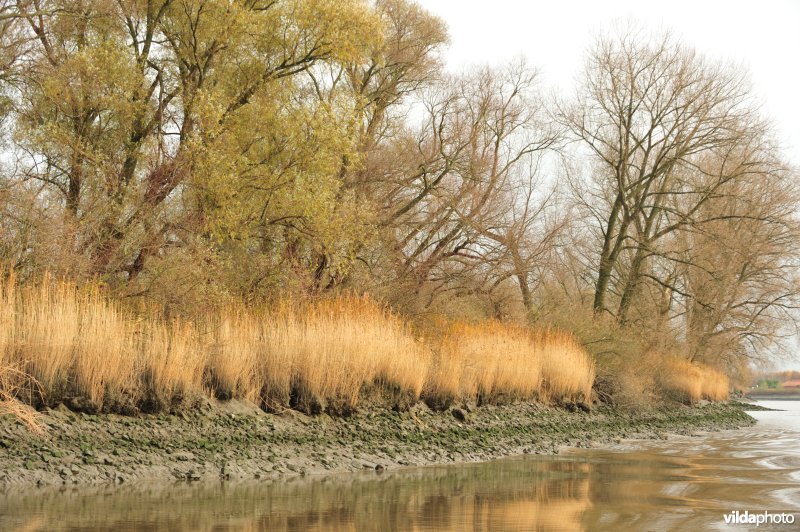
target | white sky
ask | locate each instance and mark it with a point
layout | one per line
(763, 36)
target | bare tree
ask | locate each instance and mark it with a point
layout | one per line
(469, 201)
(647, 109)
(736, 288)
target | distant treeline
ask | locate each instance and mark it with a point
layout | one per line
(776, 379)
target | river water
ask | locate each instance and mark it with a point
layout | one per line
(683, 483)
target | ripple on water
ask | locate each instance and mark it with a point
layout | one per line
(791, 462)
(789, 498)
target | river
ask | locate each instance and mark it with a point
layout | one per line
(682, 483)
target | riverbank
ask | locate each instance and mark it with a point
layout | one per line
(237, 440)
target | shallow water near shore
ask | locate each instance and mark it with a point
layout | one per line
(686, 483)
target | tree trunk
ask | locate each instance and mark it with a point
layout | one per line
(631, 284)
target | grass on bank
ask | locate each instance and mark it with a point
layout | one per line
(690, 382)
(323, 352)
(76, 343)
(492, 360)
(12, 382)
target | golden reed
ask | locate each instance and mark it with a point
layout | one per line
(74, 341)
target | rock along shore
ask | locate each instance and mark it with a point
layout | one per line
(236, 440)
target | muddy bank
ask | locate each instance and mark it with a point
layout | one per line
(236, 440)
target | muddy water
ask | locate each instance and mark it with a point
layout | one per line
(679, 484)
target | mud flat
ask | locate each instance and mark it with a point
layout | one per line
(236, 440)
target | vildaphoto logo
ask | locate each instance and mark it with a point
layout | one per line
(758, 518)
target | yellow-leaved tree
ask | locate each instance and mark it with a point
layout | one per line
(169, 132)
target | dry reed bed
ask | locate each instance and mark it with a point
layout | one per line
(76, 342)
(690, 381)
(491, 360)
(11, 381)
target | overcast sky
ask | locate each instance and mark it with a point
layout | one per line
(762, 36)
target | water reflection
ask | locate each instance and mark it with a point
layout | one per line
(682, 483)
